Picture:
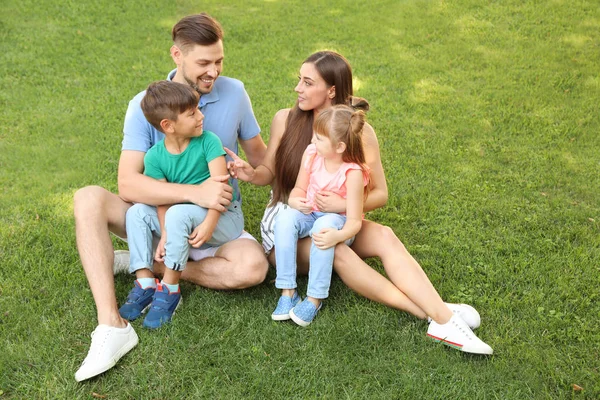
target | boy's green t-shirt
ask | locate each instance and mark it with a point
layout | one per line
(190, 167)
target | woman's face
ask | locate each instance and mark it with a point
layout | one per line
(313, 92)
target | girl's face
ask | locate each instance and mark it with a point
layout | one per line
(325, 147)
(313, 92)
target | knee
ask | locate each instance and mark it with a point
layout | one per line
(252, 274)
(389, 244)
(87, 200)
(176, 216)
(342, 255)
(137, 212)
(286, 221)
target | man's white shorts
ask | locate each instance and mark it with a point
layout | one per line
(199, 254)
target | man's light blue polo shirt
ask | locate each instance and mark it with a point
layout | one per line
(227, 112)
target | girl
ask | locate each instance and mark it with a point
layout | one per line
(325, 80)
(335, 162)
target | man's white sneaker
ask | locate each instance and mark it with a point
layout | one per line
(467, 313)
(109, 344)
(121, 263)
(456, 333)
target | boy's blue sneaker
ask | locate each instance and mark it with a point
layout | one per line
(304, 313)
(137, 302)
(284, 305)
(162, 309)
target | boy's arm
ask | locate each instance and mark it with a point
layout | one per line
(159, 254)
(204, 231)
(161, 211)
(134, 186)
(354, 203)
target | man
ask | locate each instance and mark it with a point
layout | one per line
(198, 54)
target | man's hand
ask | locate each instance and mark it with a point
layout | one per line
(330, 202)
(327, 238)
(160, 253)
(239, 168)
(301, 204)
(213, 193)
(201, 235)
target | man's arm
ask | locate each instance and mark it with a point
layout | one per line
(134, 186)
(255, 150)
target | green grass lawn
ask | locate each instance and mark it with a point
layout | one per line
(487, 116)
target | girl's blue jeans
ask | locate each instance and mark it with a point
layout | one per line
(292, 225)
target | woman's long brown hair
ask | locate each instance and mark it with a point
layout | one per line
(335, 71)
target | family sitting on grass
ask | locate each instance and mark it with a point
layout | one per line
(179, 204)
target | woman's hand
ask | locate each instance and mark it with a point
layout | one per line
(330, 202)
(239, 168)
(160, 253)
(301, 204)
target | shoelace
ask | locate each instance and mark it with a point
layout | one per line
(96, 345)
(468, 333)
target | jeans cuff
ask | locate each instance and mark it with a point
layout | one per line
(133, 268)
(316, 295)
(279, 285)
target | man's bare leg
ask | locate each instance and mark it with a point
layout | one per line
(98, 212)
(239, 264)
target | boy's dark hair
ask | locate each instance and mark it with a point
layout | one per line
(199, 29)
(166, 100)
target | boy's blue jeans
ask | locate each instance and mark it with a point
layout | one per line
(142, 225)
(292, 225)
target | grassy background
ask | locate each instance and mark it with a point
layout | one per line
(487, 115)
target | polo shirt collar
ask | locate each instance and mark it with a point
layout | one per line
(211, 97)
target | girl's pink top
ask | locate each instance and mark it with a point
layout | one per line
(322, 180)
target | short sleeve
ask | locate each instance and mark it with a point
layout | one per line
(309, 156)
(352, 166)
(137, 131)
(152, 164)
(212, 145)
(248, 125)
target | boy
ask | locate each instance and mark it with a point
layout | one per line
(187, 155)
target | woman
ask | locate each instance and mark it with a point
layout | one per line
(325, 80)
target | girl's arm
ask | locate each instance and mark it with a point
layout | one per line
(354, 201)
(297, 197)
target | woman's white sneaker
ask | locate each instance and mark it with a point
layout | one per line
(467, 313)
(456, 333)
(109, 344)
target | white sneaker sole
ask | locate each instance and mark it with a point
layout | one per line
(460, 347)
(298, 320)
(280, 317)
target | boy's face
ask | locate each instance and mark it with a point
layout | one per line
(189, 124)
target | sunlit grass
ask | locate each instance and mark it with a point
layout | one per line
(486, 114)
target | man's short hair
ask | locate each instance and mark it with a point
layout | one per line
(167, 100)
(201, 29)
